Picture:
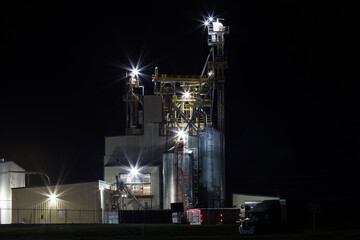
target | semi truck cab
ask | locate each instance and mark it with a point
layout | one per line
(266, 216)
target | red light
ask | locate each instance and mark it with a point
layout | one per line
(193, 211)
(199, 210)
(201, 220)
(200, 215)
(187, 210)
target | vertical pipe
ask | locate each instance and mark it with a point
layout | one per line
(213, 84)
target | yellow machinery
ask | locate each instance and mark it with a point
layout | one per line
(182, 97)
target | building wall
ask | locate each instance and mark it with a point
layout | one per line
(241, 199)
(73, 203)
(9, 180)
(153, 202)
(152, 109)
(144, 151)
(146, 148)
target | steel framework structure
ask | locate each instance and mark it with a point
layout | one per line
(188, 101)
(188, 105)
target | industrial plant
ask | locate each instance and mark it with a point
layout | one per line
(174, 147)
(172, 156)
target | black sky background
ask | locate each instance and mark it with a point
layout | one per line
(292, 90)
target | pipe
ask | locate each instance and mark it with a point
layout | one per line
(33, 173)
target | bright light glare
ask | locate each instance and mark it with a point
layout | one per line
(181, 134)
(135, 72)
(134, 172)
(186, 95)
(52, 198)
(206, 23)
(211, 19)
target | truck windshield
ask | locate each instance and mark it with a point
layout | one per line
(256, 214)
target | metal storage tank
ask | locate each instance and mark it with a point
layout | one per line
(171, 179)
(211, 168)
(168, 180)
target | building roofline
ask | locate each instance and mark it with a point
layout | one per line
(54, 185)
(7, 162)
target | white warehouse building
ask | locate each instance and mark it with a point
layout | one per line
(89, 202)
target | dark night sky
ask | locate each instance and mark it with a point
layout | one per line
(292, 86)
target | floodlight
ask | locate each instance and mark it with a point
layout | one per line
(135, 72)
(211, 19)
(134, 172)
(181, 134)
(186, 95)
(206, 23)
(52, 197)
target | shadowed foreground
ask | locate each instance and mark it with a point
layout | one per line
(21, 232)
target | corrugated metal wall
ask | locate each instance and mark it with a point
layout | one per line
(73, 203)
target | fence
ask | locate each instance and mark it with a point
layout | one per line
(145, 216)
(57, 216)
(70, 216)
(80, 216)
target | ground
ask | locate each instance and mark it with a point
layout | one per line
(224, 232)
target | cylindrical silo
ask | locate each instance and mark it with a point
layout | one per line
(211, 168)
(168, 179)
(178, 178)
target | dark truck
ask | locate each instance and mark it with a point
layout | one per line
(271, 216)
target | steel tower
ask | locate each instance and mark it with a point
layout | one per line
(195, 106)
